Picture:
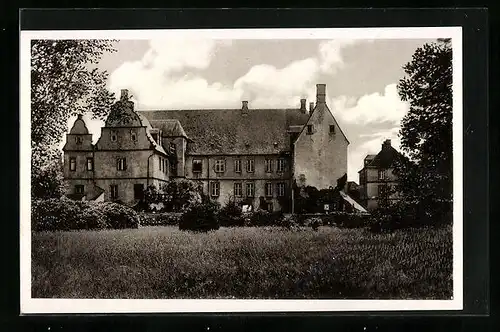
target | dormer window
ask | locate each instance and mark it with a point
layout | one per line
(309, 129)
(332, 129)
(114, 136)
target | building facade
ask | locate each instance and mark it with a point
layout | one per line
(253, 156)
(377, 181)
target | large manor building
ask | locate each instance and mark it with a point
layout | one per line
(241, 154)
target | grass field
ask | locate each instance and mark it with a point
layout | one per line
(163, 262)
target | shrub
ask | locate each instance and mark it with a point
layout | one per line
(92, 217)
(119, 216)
(55, 214)
(265, 218)
(231, 215)
(201, 217)
(159, 219)
(314, 222)
(65, 214)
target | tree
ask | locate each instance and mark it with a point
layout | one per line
(63, 83)
(426, 130)
(48, 181)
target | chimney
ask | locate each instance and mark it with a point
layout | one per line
(303, 105)
(320, 93)
(386, 144)
(124, 94)
(244, 106)
(311, 107)
(80, 117)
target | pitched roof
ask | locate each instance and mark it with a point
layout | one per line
(145, 123)
(230, 131)
(79, 127)
(386, 157)
(170, 127)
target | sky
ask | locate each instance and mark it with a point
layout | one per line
(361, 78)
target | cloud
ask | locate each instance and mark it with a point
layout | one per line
(330, 54)
(372, 108)
(157, 80)
(268, 86)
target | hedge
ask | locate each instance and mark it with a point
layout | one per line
(159, 219)
(65, 214)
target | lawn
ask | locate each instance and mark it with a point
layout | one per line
(163, 262)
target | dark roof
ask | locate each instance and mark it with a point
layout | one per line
(229, 131)
(79, 127)
(169, 128)
(386, 157)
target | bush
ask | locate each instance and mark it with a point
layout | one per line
(201, 217)
(65, 214)
(265, 218)
(159, 219)
(119, 216)
(55, 214)
(231, 215)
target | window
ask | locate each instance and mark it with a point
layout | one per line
(164, 165)
(121, 164)
(332, 129)
(79, 189)
(133, 136)
(90, 164)
(269, 166)
(114, 136)
(220, 165)
(78, 139)
(309, 129)
(281, 165)
(172, 148)
(280, 189)
(269, 206)
(237, 165)
(197, 166)
(250, 166)
(238, 189)
(250, 189)
(381, 174)
(72, 164)
(269, 189)
(114, 191)
(138, 191)
(215, 189)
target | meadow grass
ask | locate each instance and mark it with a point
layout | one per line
(264, 263)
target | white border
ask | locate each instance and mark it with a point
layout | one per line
(31, 306)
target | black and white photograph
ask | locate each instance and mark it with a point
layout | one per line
(241, 170)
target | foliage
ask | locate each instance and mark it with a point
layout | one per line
(179, 195)
(265, 218)
(159, 219)
(231, 215)
(119, 216)
(63, 83)
(244, 263)
(48, 181)
(66, 214)
(426, 130)
(309, 199)
(200, 217)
